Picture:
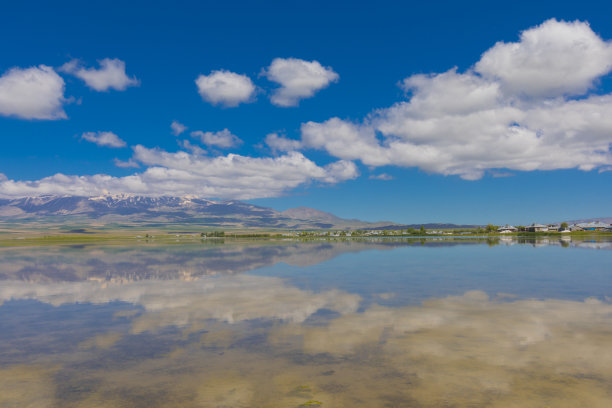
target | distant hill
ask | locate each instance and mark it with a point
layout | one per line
(314, 215)
(128, 209)
(429, 226)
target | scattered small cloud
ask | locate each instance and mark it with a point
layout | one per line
(131, 163)
(110, 75)
(382, 176)
(225, 88)
(223, 138)
(177, 128)
(298, 79)
(32, 93)
(108, 139)
(500, 174)
(281, 144)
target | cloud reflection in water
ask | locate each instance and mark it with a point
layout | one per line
(241, 340)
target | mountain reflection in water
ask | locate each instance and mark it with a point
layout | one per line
(282, 324)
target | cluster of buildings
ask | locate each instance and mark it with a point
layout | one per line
(506, 229)
(583, 226)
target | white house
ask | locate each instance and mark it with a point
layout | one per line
(506, 229)
(537, 228)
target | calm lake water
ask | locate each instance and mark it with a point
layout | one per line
(347, 323)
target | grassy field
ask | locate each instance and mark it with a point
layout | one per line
(79, 234)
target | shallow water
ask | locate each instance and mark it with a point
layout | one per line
(346, 323)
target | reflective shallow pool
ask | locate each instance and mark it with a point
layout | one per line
(351, 323)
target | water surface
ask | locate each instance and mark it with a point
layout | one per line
(345, 323)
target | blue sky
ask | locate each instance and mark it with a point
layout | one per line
(399, 111)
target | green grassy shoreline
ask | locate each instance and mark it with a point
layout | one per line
(123, 237)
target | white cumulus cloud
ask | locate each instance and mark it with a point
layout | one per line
(108, 139)
(110, 75)
(182, 173)
(32, 93)
(491, 117)
(225, 88)
(299, 79)
(553, 59)
(223, 138)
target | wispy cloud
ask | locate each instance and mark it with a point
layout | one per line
(223, 138)
(382, 176)
(108, 139)
(130, 163)
(110, 75)
(500, 174)
(195, 149)
(177, 128)
(281, 144)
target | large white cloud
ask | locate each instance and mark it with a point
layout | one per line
(492, 117)
(552, 59)
(111, 74)
(299, 79)
(182, 173)
(108, 139)
(32, 93)
(225, 88)
(223, 138)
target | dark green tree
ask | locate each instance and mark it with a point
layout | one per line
(491, 228)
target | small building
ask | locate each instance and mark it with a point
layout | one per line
(507, 229)
(537, 228)
(594, 226)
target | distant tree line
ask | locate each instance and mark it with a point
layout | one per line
(213, 234)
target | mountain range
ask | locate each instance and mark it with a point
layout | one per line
(187, 210)
(120, 210)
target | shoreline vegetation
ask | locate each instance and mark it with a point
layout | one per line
(82, 234)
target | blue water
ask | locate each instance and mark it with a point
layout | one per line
(415, 273)
(359, 323)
